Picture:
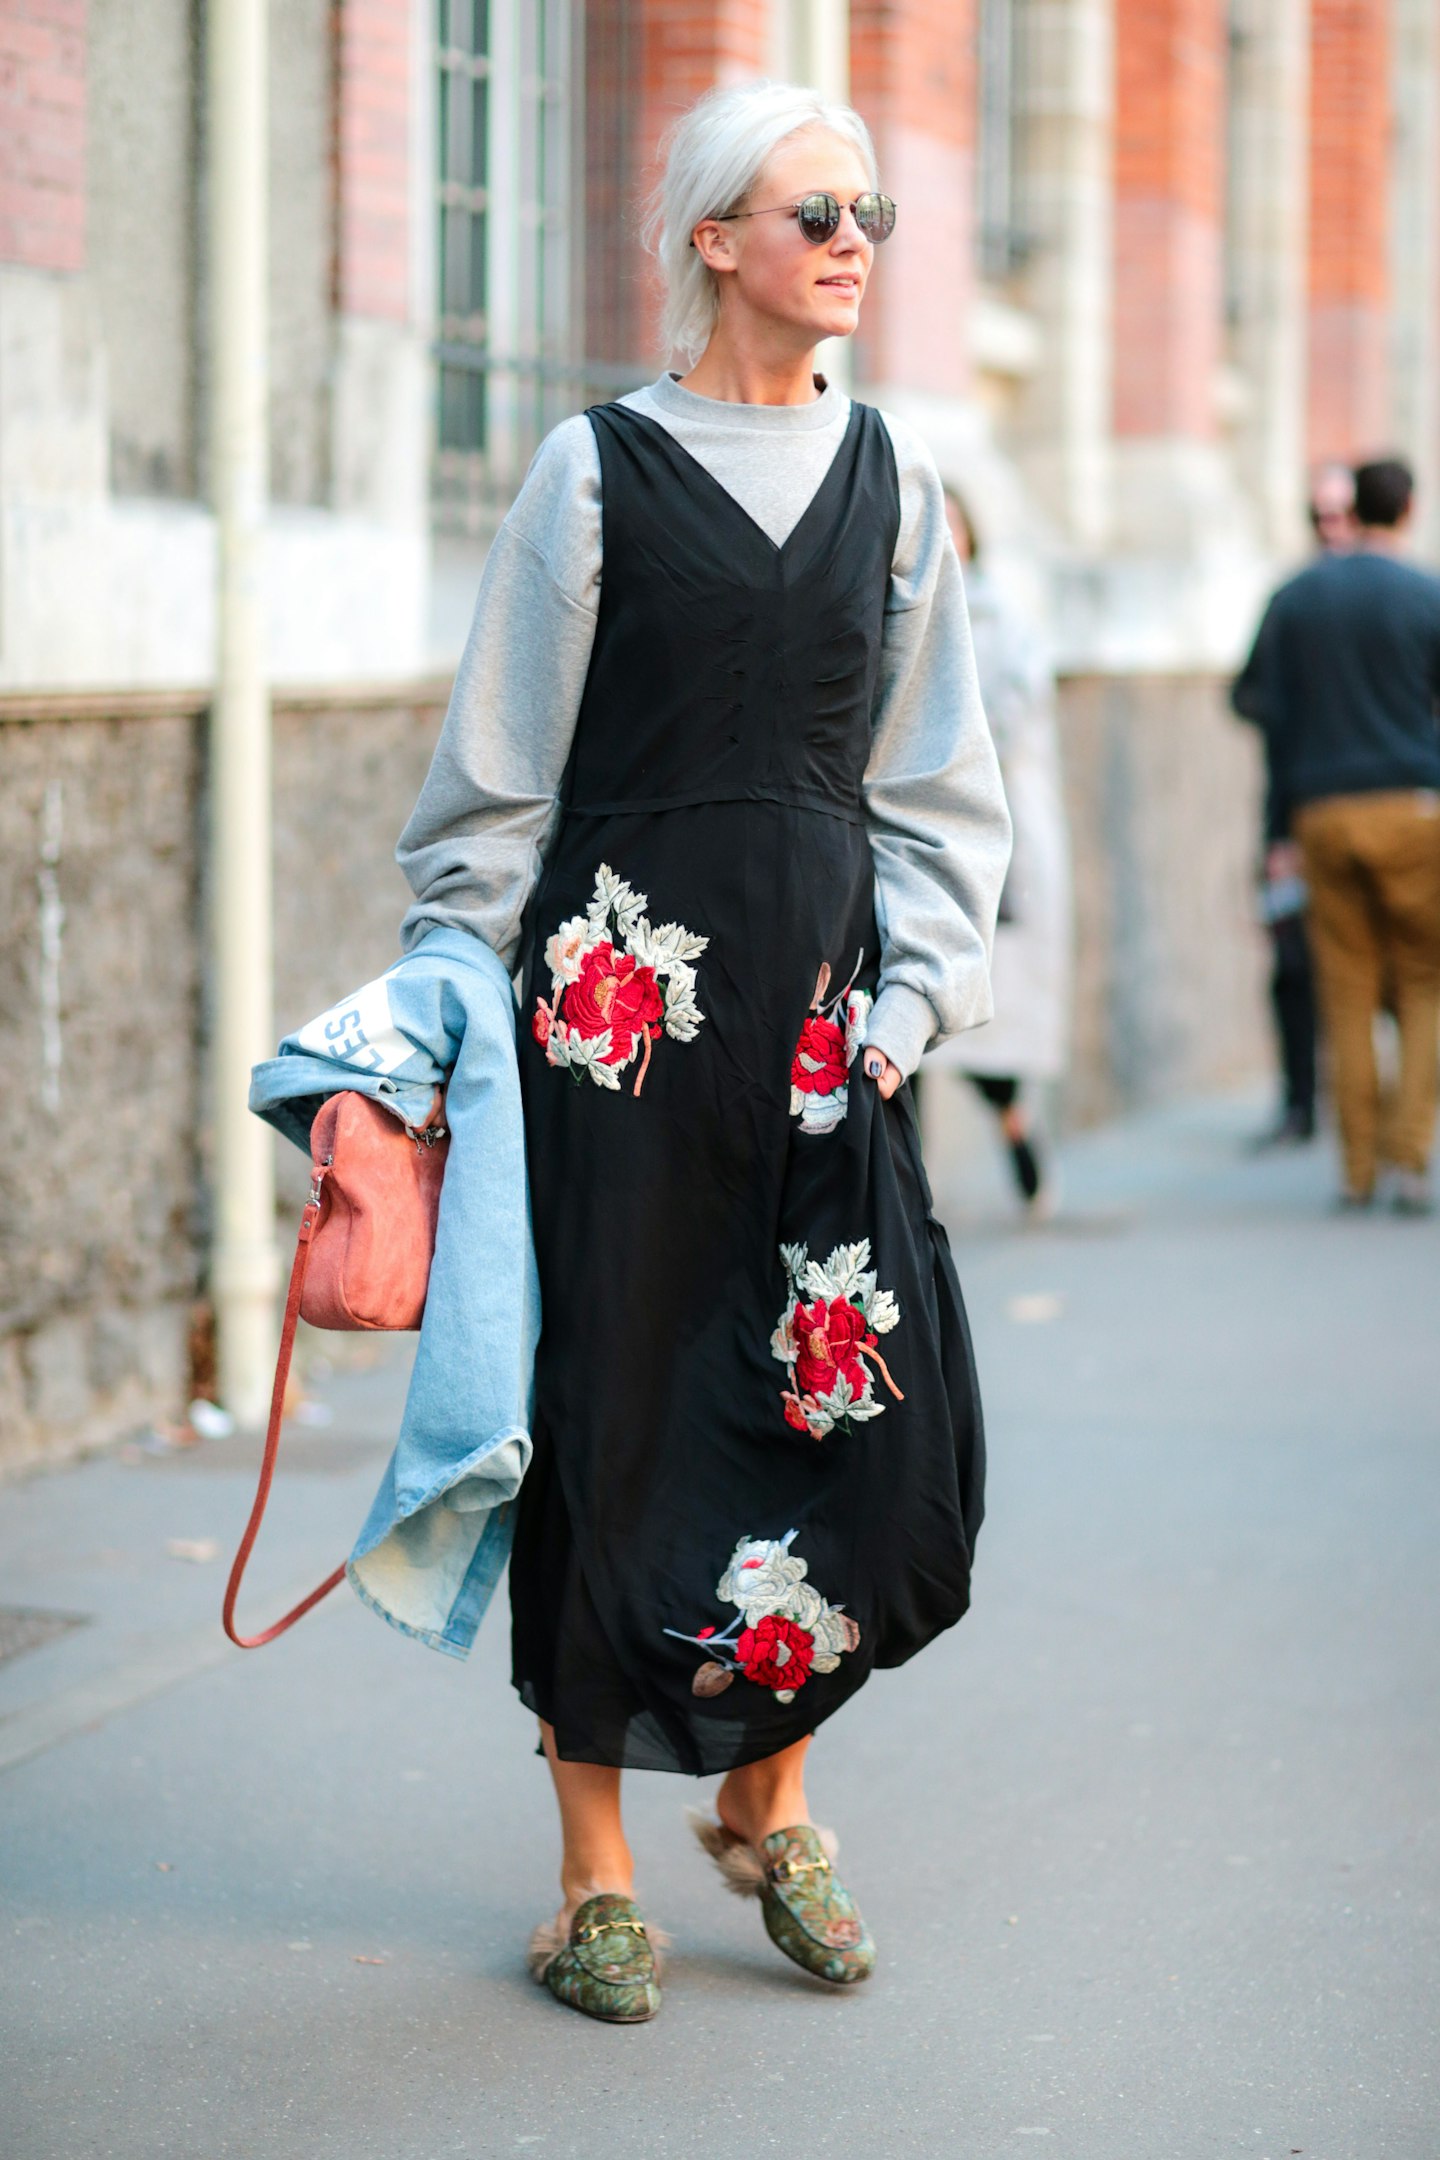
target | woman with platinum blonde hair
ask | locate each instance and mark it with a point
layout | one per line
(716, 782)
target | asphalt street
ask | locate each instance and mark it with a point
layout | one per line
(1148, 1843)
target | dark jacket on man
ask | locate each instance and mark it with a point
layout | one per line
(1344, 680)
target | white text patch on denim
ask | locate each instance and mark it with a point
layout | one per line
(360, 1032)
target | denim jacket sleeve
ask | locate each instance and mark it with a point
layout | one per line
(436, 1538)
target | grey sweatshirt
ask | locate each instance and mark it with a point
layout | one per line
(935, 810)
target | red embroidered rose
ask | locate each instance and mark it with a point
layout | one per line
(827, 1339)
(821, 1045)
(613, 991)
(541, 1025)
(776, 1652)
(794, 1414)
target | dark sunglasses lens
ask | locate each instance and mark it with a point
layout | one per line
(819, 218)
(875, 215)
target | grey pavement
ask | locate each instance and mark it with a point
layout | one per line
(1149, 1843)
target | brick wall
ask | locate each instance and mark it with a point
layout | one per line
(681, 51)
(42, 133)
(912, 76)
(1169, 122)
(372, 158)
(1350, 121)
(615, 273)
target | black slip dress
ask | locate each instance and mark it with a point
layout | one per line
(759, 1460)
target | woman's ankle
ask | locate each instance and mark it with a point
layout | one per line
(752, 1808)
(577, 1884)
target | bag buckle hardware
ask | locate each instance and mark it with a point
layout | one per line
(317, 1179)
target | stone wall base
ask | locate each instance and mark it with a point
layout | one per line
(103, 995)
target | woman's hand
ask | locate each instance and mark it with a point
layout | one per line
(887, 1077)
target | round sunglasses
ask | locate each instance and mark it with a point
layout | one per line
(818, 216)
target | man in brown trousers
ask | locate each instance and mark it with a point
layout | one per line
(1346, 668)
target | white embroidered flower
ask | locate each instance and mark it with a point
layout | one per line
(819, 1113)
(857, 1017)
(565, 951)
(761, 1576)
(782, 1342)
(882, 1311)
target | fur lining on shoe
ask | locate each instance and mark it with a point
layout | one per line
(741, 1867)
(548, 1940)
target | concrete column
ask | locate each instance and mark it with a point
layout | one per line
(1270, 138)
(1350, 108)
(244, 1267)
(912, 75)
(1064, 122)
(1415, 282)
(810, 43)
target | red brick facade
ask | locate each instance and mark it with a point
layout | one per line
(372, 158)
(1350, 122)
(912, 76)
(42, 133)
(1169, 137)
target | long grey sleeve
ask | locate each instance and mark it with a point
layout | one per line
(939, 828)
(474, 843)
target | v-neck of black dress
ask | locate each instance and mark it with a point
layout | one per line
(744, 669)
(689, 465)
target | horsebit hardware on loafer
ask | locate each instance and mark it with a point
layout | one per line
(610, 1927)
(787, 1870)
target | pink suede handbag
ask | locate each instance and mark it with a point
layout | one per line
(362, 1260)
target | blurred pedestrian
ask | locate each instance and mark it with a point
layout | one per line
(1347, 672)
(1026, 1042)
(1282, 893)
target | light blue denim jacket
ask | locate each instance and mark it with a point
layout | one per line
(435, 1540)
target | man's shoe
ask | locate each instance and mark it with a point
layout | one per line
(1353, 1203)
(607, 1967)
(1410, 1193)
(1293, 1128)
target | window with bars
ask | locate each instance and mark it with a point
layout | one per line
(508, 97)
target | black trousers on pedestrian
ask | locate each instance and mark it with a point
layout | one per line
(1292, 996)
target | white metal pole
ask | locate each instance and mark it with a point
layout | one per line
(244, 1269)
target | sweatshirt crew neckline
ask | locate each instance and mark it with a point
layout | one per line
(671, 398)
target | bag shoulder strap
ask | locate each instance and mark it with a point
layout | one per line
(308, 1222)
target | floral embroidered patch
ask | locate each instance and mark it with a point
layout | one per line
(829, 1039)
(826, 1338)
(616, 986)
(784, 1630)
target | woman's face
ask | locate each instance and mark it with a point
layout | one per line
(766, 265)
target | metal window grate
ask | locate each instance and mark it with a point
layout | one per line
(508, 346)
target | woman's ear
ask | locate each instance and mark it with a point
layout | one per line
(714, 244)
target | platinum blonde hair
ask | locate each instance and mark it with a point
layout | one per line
(714, 154)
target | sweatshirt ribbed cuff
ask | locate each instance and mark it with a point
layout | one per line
(902, 1025)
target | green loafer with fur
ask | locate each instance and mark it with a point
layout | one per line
(607, 1967)
(808, 1912)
